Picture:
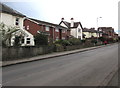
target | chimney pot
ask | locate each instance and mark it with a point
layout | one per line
(72, 18)
(62, 19)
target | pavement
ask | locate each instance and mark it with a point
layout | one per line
(48, 56)
(89, 68)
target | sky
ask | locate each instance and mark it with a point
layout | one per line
(85, 11)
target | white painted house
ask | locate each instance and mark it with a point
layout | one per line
(75, 28)
(13, 18)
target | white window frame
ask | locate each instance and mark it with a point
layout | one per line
(17, 21)
(63, 31)
(28, 40)
(57, 38)
(47, 28)
(63, 37)
(56, 30)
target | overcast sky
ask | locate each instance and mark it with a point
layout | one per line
(85, 11)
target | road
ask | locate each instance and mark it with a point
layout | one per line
(87, 68)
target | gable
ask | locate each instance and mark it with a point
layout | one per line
(63, 24)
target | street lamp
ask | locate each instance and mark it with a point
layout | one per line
(98, 20)
(97, 27)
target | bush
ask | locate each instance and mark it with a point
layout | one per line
(94, 41)
(63, 42)
(41, 39)
(74, 41)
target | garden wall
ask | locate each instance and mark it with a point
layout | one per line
(14, 53)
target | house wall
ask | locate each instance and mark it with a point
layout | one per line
(88, 35)
(10, 20)
(79, 32)
(32, 27)
(73, 32)
(94, 34)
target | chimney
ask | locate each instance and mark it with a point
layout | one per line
(72, 22)
(62, 19)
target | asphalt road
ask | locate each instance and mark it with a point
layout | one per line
(87, 68)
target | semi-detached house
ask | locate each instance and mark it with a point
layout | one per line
(54, 31)
(13, 18)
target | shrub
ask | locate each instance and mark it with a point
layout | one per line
(63, 42)
(74, 41)
(94, 41)
(41, 39)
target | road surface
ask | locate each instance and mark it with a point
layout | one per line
(89, 68)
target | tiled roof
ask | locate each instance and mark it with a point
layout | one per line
(86, 30)
(76, 24)
(6, 9)
(92, 30)
(47, 23)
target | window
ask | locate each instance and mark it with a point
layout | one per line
(28, 40)
(78, 30)
(63, 37)
(63, 31)
(22, 40)
(17, 21)
(27, 27)
(57, 38)
(47, 28)
(57, 30)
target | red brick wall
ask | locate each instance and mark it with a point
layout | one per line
(33, 27)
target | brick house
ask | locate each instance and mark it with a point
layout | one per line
(54, 31)
(107, 32)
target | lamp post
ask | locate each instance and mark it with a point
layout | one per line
(97, 27)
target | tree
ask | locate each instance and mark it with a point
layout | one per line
(6, 33)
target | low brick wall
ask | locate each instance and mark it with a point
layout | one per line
(14, 53)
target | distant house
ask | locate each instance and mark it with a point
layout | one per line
(74, 27)
(90, 32)
(107, 32)
(54, 31)
(14, 18)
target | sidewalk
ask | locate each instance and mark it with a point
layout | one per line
(47, 56)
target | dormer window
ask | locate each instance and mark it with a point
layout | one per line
(17, 22)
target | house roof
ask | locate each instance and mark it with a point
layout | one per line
(8, 10)
(86, 30)
(76, 24)
(47, 23)
(92, 30)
